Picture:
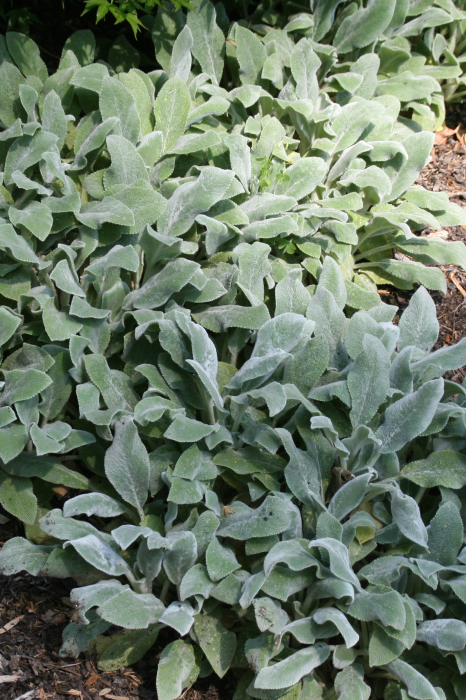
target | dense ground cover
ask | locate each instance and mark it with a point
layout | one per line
(260, 466)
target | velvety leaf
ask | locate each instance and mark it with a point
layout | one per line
(407, 516)
(21, 385)
(304, 64)
(159, 288)
(95, 140)
(445, 535)
(194, 198)
(131, 610)
(445, 468)
(179, 616)
(251, 55)
(59, 325)
(171, 111)
(17, 496)
(194, 464)
(26, 151)
(348, 496)
(380, 603)
(18, 554)
(271, 518)
(418, 686)
(109, 210)
(115, 386)
(99, 555)
(240, 157)
(18, 247)
(340, 621)
(221, 561)
(127, 465)
(128, 648)
(93, 504)
(174, 668)
(217, 643)
(36, 217)
(9, 323)
(127, 167)
(117, 101)
(448, 635)
(76, 638)
(54, 524)
(339, 559)
(26, 55)
(10, 80)
(180, 62)
(181, 556)
(302, 473)
(287, 673)
(208, 40)
(443, 359)
(350, 684)
(188, 430)
(50, 469)
(269, 615)
(409, 416)
(368, 381)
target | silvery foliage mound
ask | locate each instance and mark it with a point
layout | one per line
(252, 463)
(416, 40)
(292, 153)
(268, 515)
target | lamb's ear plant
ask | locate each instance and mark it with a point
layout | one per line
(298, 513)
(274, 483)
(411, 48)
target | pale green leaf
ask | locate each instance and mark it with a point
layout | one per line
(217, 643)
(127, 465)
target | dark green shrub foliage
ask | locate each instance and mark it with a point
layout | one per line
(260, 459)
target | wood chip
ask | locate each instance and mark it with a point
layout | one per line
(441, 137)
(29, 694)
(92, 679)
(438, 234)
(117, 697)
(61, 490)
(9, 679)
(105, 691)
(457, 285)
(11, 624)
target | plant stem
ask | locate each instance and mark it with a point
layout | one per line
(419, 495)
(238, 418)
(364, 635)
(165, 589)
(366, 254)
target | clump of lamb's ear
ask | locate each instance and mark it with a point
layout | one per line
(194, 348)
